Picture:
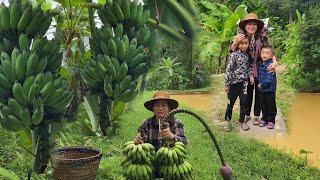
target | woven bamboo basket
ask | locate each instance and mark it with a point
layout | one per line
(76, 163)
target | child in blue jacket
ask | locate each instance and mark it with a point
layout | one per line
(267, 87)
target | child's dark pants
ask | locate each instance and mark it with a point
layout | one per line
(268, 104)
(235, 91)
(257, 107)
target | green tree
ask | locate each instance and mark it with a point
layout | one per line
(302, 52)
(310, 49)
(219, 20)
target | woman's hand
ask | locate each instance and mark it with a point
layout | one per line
(138, 139)
(167, 133)
(272, 67)
(237, 39)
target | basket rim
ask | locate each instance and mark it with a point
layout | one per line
(76, 147)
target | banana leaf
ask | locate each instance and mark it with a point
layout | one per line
(8, 174)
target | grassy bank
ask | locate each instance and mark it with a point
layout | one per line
(249, 159)
(285, 96)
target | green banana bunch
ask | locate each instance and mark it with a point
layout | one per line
(24, 63)
(21, 17)
(138, 161)
(173, 164)
(6, 45)
(94, 72)
(129, 13)
(43, 93)
(31, 91)
(117, 83)
(56, 95)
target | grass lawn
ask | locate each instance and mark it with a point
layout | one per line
(249, 159)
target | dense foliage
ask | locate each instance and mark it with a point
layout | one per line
(302, 52)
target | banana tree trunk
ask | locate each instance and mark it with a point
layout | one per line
(77, 86)
(41, 146)
(91, 105)
(143, 82)
(105, 114)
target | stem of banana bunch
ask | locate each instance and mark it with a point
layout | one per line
(91, 17)
(106, 106)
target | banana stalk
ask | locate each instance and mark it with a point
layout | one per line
(42, 144)
(190, 6)
(167, 30)
(187, 21)
(91, 18)
(225, 170)
(105, 114)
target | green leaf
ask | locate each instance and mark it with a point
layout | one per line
(46, 5)
(26, 140)
(102, 2)
(70, 3)
(225, 9)
(8, 174)
(170, 72)
(211, 6)
(118, 109)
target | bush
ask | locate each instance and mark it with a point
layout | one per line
(167, 74)
(303, 53)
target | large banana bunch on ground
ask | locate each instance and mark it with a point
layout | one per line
(173, 164)
(21, 17)
(138, 161)
(127, 12)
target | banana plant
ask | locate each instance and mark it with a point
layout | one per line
(32, 94)
(222, 23)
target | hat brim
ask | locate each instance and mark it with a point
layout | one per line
(243, 23)
(173, 104)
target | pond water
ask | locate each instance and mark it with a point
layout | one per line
(303, 128)
(202, 102)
